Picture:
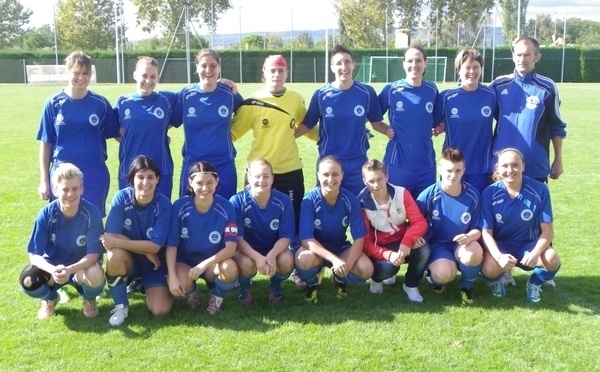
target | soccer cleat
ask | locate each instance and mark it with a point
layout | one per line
(135, 286)
(245, 296)
(118, 315)
(63, 296)
(534, 292)
(275, 296)
(390, 281)
(466, 296)
(508, 279)
(297, 280)
(498, 288)
(193, 300)
(376, 288)
(340, 289)
(214, 304)
(550, 283)
(90, 308)
(413, 293)
(435, 288)
(47, 309)
(311, 293)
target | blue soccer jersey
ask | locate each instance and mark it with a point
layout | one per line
(412, 116)
(342, 115)
(260, 226)
(515, 222)
(77, 129)
(145, 121)
(447, 215)
(327, 223)
(199, 236)
(469, 120)
(151, 222)
(528, 118)
(206, 119)
(65, 241)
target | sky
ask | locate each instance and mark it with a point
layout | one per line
(260, 16)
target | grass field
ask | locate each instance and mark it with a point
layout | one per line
(362, 332)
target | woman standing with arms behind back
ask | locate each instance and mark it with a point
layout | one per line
(73, 129)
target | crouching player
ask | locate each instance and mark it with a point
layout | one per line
(65, 246)
(394, 224)
(202, 241)
(452, 209)
(266, 223)
(326, 213)
(517, 227)
(137, 227)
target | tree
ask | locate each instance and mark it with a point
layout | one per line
(40, 38)
(85, 24)
(542, 28)
(458, 21)
(166, 15)
(253, 42)
(304, 41)
(12, 19)
(274, 41)
(509, 18)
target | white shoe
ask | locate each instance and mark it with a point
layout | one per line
(508, 279)
(118, 315)
(376, 288)
(550, 283)
(413, 293)
(63, 296)
(390, 281)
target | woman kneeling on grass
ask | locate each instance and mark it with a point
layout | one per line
(394, 224)
(327, 212)
(265, 218)
(517, 227)
(137, 227)
(202, 241)
(65, 246)
(452, 210)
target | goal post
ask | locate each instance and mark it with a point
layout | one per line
(380, 69)
(436, 69)
(51, 74)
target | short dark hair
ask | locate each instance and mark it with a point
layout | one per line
(465, 55)
(532, 40)
(373, 165)
(337, 49)
(419, 48)
(453, 155)
(330, 158)
(141, 162)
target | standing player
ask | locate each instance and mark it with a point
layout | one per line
(327, 212)
(65, 246)
(342, 108)
(137, 227)
(205, 109)
(202, 241)
(467, 118)
(517, 227)
(265, 219)
(409, 155)
(73, 129)
(145, 117)
(452, 210)
(394, 226)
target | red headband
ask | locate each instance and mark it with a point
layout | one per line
(275, 60)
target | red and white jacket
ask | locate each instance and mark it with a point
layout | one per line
(399, 220)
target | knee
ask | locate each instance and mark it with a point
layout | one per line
(246, 265)
(160, 310)
(94, 275)
(305, 259)
(285, 261)
(364, 267)
(551, 259)
(442, 275)
(115, 260)
(471, 255)
(228, 269)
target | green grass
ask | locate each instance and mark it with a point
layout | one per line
(363, 332)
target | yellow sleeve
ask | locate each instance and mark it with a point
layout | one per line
(240, 123)
(313, 134)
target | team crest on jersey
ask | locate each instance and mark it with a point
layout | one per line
(247, 222)
(486, 111)
(94, 120)
(292, 123)
(526, 214)
(184, 233)
(359, 110)
(159, 113)
(328, 111)
(80, 241)
(127, 114)
(149, 232)
(191, 112)
(265, 122)
(345, 221)
(318, 224)
(274, 225)
(399, 106)
(454, 113)
(498, 217)
(127, 224)
(214, 237)
(465, 218)
(429, 107)
(532, 102)
(223, 111)
(435, 214)
(60, 119)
